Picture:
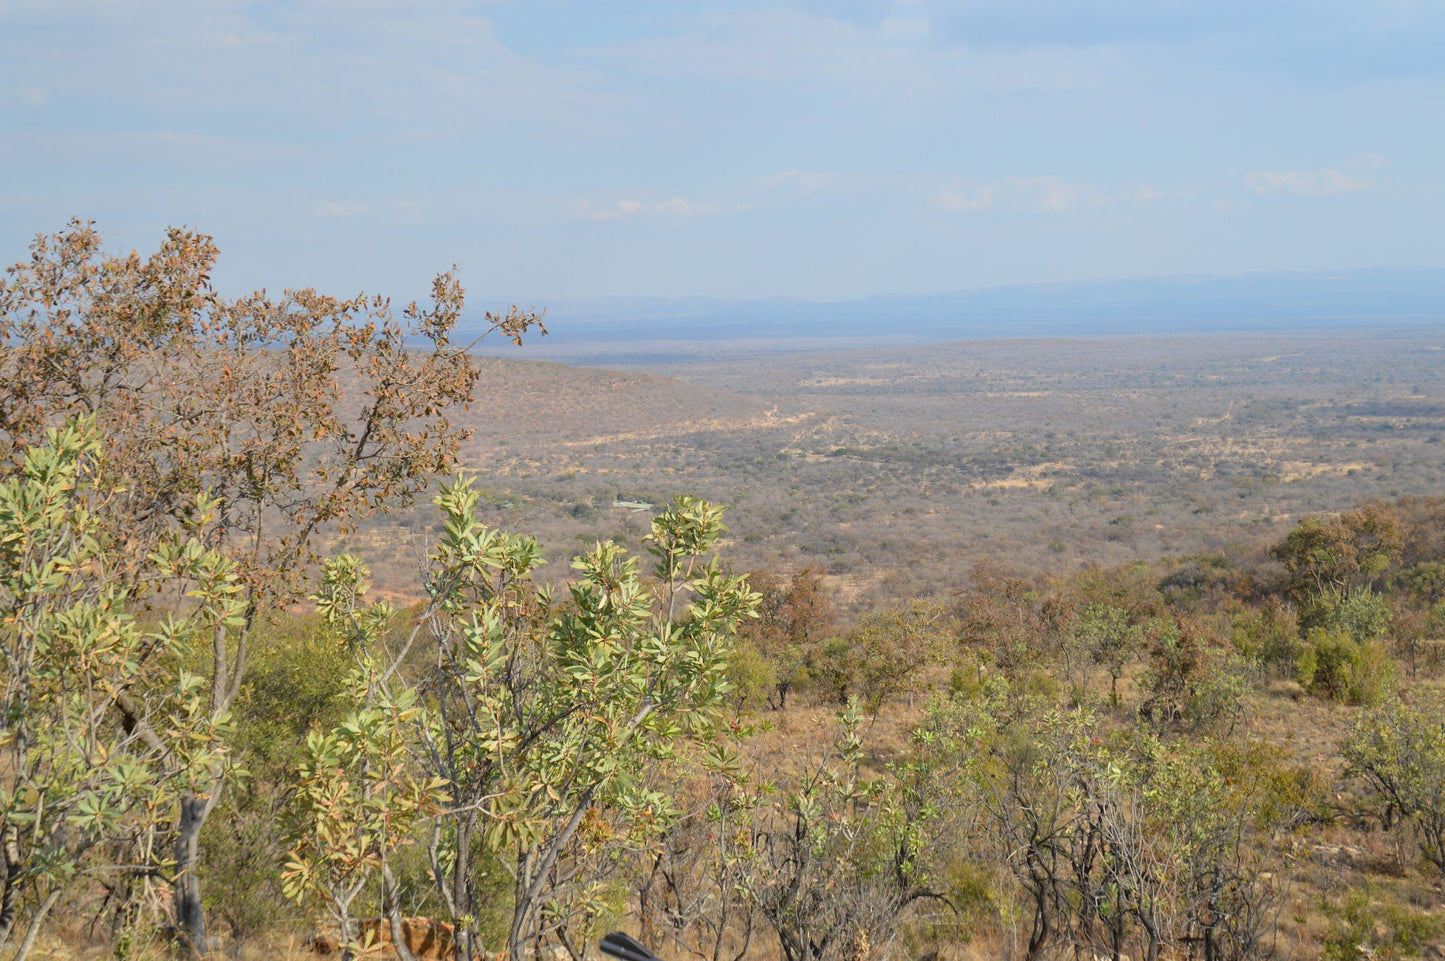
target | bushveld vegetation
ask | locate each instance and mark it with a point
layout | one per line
(215, 739)
(897, 468)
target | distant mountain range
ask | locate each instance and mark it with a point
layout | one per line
(1273, 301)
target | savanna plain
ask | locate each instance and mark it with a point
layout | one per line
(325, 636)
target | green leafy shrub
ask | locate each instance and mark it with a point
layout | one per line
(752, 677)
(1362, 928)
(1269, 638)
(91, 777)
(1333, 665)
(1124, 843)
(541, 725)
(1362, 614)
(1398, 749)
(837, 858)
(1192, 684)
(885, 655)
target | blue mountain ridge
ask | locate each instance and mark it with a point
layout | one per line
(1266, 301)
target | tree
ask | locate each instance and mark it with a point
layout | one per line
(85, 797)
(1341, 552)
(693, 887)
(1399, 751)
(1125, 844)
(1112, 641)
(294, 413)
(794, 618)
(358, 800)
(1332, 562)
(838, 858)
(1010, 618)
(1335, 665)
(541, 719)
(886, 653)
(1192, 682)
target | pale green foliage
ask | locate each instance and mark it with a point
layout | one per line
(360, 795)
(541, 720)
(1362, 928)
(830, 857)
(1360, 613)
(1111, 639)
(887, 653)
(1268, 638)
(359, 799)
(1191, 683)
(1332, 664)
(1340, 553)
(1124, 845)
(835, 860)
(1399, 750)
(89, 793)
(548, 718)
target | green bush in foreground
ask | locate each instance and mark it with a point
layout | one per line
(91, 782)
(541, 722)
(1399, 751)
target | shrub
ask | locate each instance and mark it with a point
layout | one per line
(885, 655)
(1333, 665)
(1399, 751)
(90, 778)
(838, 859)
(1111, 639)
(1362, 614)
(1118, 844)
(795, 616)
(538, 722)
(1361, 928)
(754, 683)
(1192, 684)
(1269, 639)
(293, 685)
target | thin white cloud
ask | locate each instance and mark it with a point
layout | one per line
(1354, 177)
(611, 211)
(674, 206)
(1049, 195)
(682, 207)
(1307, 183)
(907, 22)
(882, 60)
(340, 209)
(424, 68)
(802, 179)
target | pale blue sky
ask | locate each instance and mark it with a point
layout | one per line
(802, 149)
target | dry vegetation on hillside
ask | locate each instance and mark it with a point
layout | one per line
(1046, 650)
(897, 469)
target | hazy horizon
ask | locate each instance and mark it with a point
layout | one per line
(736, 150)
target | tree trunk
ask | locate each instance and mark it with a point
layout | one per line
(520, 931)
(10, 848)
(391, 908)
(225, 686)
(348, 936)
(465, 917)
(35, 924)
(532, 874)
(190, 917)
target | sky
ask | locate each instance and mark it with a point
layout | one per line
(738, 150)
